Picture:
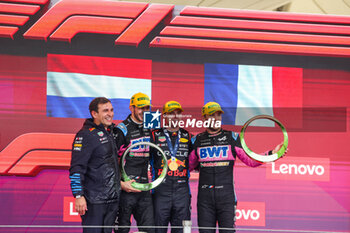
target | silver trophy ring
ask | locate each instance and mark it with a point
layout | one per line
(264, 158)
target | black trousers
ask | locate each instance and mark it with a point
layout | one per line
(140, 206)
(172, 204)
(100, 215)
(216, 205)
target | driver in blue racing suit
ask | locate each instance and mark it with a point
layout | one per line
(133, 201)
(172, 198)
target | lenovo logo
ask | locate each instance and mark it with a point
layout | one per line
(250, 214)
(69, 214)
(299, 168)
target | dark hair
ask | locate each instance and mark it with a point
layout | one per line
(93, 106)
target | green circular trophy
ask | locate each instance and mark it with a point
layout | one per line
(145, 186)
(264, 158)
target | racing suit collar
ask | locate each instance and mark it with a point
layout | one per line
(89, 122)
(171, 132)
(215, 134)
(139, 125)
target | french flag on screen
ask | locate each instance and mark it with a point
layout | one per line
(244, 91)
(73, 81)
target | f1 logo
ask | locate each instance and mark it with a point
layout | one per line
(132, 21)
(151, 120)
(17, 15)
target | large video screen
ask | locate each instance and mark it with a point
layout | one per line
(46, 87)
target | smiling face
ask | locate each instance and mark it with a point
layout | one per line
(174, 116)
(217, 116)
(137, 113)
(104, 114)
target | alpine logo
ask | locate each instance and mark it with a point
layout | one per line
(222, 139)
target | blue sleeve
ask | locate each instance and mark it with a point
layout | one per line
(237, 139)
(123, 128)
(75, 184)
(81, 153)
(193, 139)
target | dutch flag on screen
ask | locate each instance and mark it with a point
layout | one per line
(74, 81)
(244, 91)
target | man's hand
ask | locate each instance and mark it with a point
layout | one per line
(80, 205)
(278, 147)
(126, 186)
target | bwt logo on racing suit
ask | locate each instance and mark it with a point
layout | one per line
(250, 214)
(141, 150)
(214, 152)
(299, 168)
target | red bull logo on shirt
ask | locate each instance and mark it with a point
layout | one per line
(176, 172)
(179, 162)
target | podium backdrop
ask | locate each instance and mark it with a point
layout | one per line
(56, 57)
